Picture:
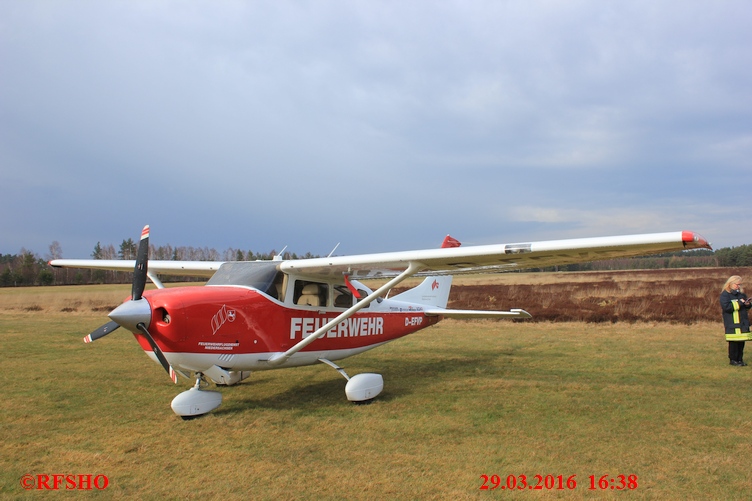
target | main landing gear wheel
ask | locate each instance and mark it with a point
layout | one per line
(196, 402)
(361, 388)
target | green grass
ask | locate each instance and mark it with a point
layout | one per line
(461, 399)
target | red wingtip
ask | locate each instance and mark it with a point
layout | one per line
(694, 240)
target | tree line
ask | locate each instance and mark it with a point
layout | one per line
(27, 268)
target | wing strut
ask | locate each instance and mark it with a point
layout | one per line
(155, 280)
(280, 358)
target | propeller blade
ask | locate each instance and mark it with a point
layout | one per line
(142, 264)
(158, 352)
(132, 312)
(101, 332)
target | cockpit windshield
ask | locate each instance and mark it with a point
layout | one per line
(260, 275)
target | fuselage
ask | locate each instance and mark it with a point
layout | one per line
(238, 328)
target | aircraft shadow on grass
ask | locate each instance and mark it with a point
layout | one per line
(417, 377)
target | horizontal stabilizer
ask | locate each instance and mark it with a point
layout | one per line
(513, 313)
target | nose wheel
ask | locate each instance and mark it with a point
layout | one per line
(196, 402)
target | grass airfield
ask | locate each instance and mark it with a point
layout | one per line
(461, 400)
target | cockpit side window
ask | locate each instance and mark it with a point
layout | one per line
(310, 293)
(277, 287)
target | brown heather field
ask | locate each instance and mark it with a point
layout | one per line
(681, 296)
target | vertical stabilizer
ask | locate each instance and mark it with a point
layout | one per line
(433, 291)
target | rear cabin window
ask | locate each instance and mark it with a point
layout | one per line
(343, 297)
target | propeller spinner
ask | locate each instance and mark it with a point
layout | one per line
(135, 315)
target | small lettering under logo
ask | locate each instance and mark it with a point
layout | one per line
(218, 346)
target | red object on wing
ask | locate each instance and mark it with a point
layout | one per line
(450, 242)
(352, 288)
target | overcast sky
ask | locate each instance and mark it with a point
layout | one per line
(383, 125)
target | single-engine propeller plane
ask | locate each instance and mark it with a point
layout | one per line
(262, 315)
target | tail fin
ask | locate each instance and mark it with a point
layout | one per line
(433, 291)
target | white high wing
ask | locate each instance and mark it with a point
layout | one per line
(450, 261)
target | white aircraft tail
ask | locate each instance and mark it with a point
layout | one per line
(433, 291)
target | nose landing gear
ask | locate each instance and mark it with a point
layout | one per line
(196, 402)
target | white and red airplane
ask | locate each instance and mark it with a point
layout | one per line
(262, 315)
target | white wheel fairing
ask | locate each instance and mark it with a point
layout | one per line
(195, 402)
(364, 387)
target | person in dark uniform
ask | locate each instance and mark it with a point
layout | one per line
(735, 306)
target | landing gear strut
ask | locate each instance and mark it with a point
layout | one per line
(361, 388)
(196, 402)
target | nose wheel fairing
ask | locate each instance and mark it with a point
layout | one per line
(196, 402)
